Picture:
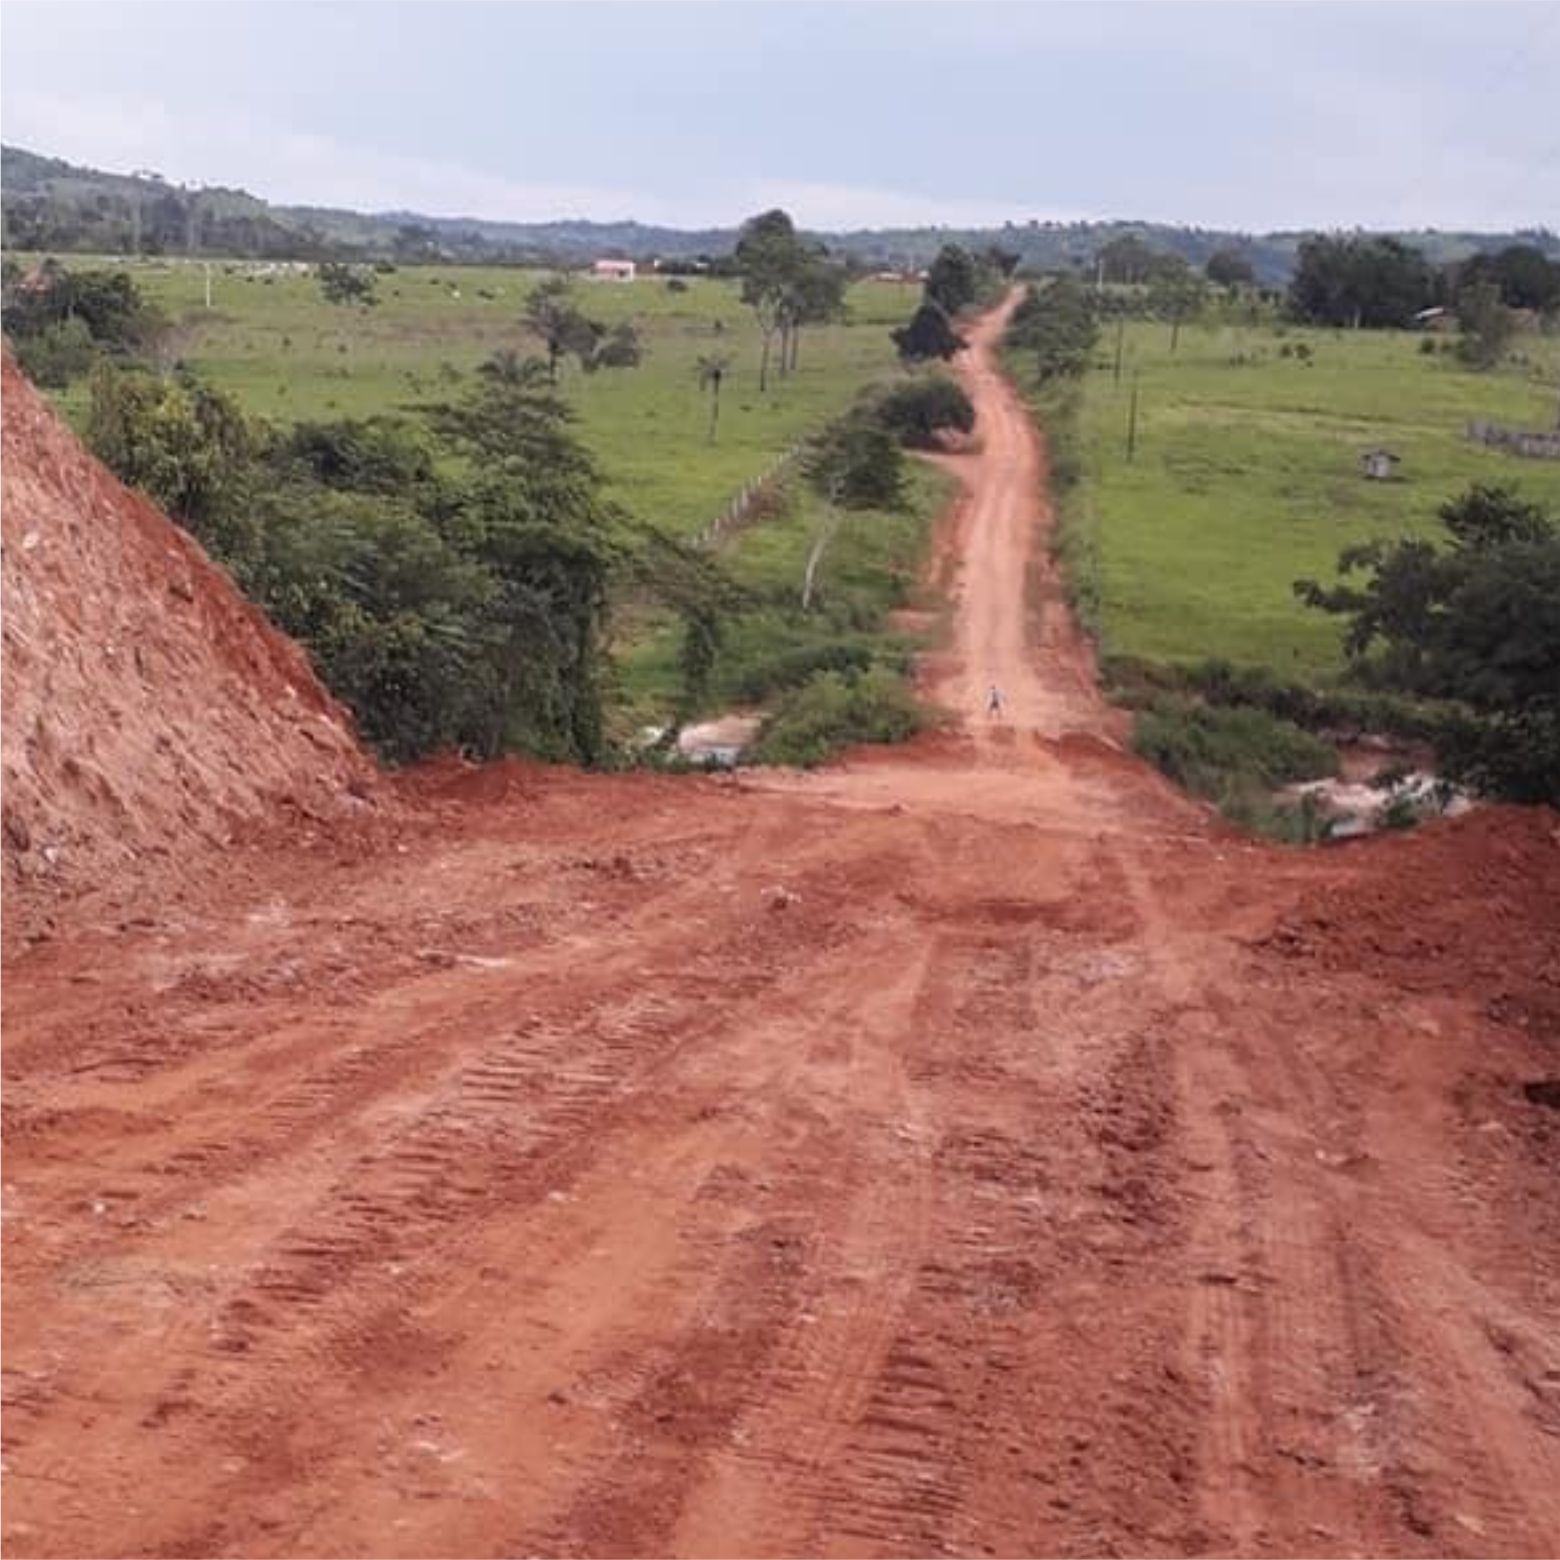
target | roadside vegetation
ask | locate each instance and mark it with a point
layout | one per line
(482, 499)
(1206, 443)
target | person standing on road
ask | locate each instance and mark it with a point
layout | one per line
(994, 702)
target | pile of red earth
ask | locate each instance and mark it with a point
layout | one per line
(150, 709)
(1467, 907)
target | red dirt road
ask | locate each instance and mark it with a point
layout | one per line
(969, 1149)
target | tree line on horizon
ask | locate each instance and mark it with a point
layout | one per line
(53, 206)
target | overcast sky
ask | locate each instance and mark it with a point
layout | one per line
(1251, 115)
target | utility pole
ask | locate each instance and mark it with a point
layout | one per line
(1121, 331)
(1132, 417)
(208, 284)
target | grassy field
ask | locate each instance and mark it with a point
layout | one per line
(1247, 476)
(288, 355)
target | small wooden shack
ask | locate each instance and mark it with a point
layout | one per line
(1379, 465)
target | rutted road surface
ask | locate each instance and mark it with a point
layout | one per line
(939, 1154)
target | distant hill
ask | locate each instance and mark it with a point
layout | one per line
(56, 206)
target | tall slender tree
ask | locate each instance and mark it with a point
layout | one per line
(767, 257)
(712, 370)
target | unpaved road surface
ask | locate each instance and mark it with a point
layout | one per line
(968, 1149)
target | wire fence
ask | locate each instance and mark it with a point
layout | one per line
(740, 509)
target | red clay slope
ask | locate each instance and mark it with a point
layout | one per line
(149, 708)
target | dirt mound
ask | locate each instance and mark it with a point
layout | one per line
(149, 708)
(1465, 906)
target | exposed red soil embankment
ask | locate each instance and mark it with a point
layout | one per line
(1467, 907)
(149, 708)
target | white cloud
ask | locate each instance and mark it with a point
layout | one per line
(295, 167)
(300, 168)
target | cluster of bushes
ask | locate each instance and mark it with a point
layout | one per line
(1473, 621)
(449, 574)
(792, 665)
(1341, 712)
(1228, 754)
(834, 709)
(919, 411)
(60, 322)
(1057, 324)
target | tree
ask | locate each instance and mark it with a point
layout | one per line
(620, 347)
(1369, 282)
(513, 420)
(552, 315)
(1176, 294)
(345, 284)
(385, 455)
(1477, 622)
(769, 258)
(1056, 321)
(1487, 325)
(57, 353)
(952, 280)
(916, 413)
(188, 447)
(816, 296)
(1229, 269)
(1002, 262)
(1526, 277)
(712, 369)
(1491, 516)
(1126, 260)
(929, 334)
(413, 242)
(856, 464)
(64, 320)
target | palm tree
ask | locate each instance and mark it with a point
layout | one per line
(507, 367)
(712, 369)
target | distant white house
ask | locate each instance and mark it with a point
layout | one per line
(613, 270)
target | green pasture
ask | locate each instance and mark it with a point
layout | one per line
(288, 355)
(1247, 475)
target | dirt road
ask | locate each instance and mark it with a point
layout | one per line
(969, 1149)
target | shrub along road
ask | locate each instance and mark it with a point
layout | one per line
(970, 1148)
